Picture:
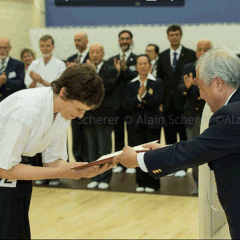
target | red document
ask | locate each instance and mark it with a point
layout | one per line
(109, 157)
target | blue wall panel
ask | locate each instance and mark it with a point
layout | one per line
(194, 12)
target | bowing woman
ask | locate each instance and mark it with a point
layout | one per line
(144, 96)
(34, 121)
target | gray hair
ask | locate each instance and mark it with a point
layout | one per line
(219, 63)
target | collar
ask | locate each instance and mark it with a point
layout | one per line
(149, 77)
(84, 53)
(178, 51)
(6, 60)
(127, 54)
(154, 60)
(99, 66)
(42, 59)
(230, 97)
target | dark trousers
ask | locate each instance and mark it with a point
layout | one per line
(174, 120)
(137, 137)
(77, 140)
(119, 130)
(99, 142)
(14, 207)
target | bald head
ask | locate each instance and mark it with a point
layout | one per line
(81, 41)
(203, 46)
(5, 48)
(96, 53)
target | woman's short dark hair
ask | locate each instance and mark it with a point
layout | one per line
(143, 55)
(28, 50)
(82, 83)
(174, 28)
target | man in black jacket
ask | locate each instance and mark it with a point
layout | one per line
(170, 66)
(98, 124)
(125, 64)
(81, 42)
(218, 79)
(11, 71)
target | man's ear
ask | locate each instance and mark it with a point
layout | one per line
(219, 83)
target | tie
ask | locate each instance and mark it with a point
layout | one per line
(123, 57)
(79, 58)
(174, 62)
(3, 67)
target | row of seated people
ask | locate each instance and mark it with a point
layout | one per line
(137, 88)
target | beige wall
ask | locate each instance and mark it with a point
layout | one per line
(17, 17)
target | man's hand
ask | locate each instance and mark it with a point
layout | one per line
(117, 65)
(88, 172)
(152, 146)
(3, 79)
(188, 80)
(127, 158)
(141, 90)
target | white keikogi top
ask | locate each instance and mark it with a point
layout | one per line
(27, 128)
(49, 72)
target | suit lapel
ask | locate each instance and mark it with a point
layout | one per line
(130, 60)
(8, 65)
(180, 62)
(167, 63)
(102, 72)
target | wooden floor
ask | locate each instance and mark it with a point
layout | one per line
(79, 214)
(58, 213)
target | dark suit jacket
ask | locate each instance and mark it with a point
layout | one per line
(74, 57)
(219, 145)
(171, 81)
(104, 113)
(119, 95)
(147, 111)
(194, 105)
(15, 73)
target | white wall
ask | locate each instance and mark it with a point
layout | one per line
(17, 17)
(222, 35)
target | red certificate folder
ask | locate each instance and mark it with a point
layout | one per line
(109, 157)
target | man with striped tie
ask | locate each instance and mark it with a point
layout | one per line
(11, 71)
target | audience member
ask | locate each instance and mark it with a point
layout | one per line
(78, 139)
(11, 71)
(98, 124)
(125, 65)
(41, 73)
(27, 56)
(194, 104)
(152, 51)
(170, 66)
(144, 96)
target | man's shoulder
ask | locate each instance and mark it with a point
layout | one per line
(109, 68)
(165, 52)
(15, 61)
(72, 57)
(115, 56)
(188, 50)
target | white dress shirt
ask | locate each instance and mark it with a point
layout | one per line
(49, 72)
(151, 77)
(127, 54)
(99, 66)
(140, 156)
(5, 62)
(27, 127)
(84, 54)
(178, 51)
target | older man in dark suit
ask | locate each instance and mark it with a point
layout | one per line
(170, 66)
(98, 124)
(81, 42)
(218, 80)
(125, 64)
(11, 71)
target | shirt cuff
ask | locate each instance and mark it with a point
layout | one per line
(141, 163)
